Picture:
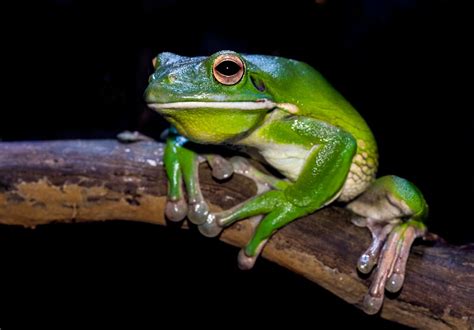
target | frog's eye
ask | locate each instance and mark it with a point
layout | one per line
(228, 69)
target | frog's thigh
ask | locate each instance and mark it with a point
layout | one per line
(393, 209)
(390, 197)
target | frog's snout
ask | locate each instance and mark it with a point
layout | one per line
(158, 85)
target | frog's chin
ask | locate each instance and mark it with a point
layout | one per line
(263, 104)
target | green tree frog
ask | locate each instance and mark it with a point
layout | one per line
(287, 115)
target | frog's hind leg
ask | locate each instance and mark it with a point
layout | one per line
(393, 209)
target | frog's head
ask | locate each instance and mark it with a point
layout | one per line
(217, 98)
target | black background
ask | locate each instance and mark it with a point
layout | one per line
(77, 69)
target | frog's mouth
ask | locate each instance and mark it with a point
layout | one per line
(216, 122)
(245, 105)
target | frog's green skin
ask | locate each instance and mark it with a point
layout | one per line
(287, 113)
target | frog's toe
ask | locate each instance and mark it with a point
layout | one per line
(248, 255)
(366, 263)
(221, 168)
(240, 164)
(359, 221)
(379, 232)
(198, 212)
(374, 298)
(176, 210)
(372, 304)
(397, 275)
(395, 282)
(210, 227)
(246, 262)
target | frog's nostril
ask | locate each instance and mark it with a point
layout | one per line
(171, 78)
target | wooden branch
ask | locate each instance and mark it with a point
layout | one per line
(72, 181)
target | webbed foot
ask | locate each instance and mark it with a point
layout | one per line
(216, 222)
(199, 212)
(393, 210)
(182, 167)
(389, 250)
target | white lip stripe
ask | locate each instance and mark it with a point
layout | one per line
(265, 104)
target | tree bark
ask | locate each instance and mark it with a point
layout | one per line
(73, 181)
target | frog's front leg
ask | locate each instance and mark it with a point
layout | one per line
(182, 164)
(393, 209)
(215, 223)
(319, 182)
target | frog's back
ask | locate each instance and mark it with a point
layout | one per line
(314, 97)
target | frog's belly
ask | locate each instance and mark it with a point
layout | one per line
(289, 161)
(358, 180)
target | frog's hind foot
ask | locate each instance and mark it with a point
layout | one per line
(379, 233)
(389, 250)
(393, 210)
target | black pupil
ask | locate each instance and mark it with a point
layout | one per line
(228, 68)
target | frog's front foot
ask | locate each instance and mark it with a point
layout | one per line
(196, 208)
(199, 212)
(216, 222)
(182, 169)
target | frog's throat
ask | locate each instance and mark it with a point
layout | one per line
(246, 105)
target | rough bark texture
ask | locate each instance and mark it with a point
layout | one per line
(72, 181)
